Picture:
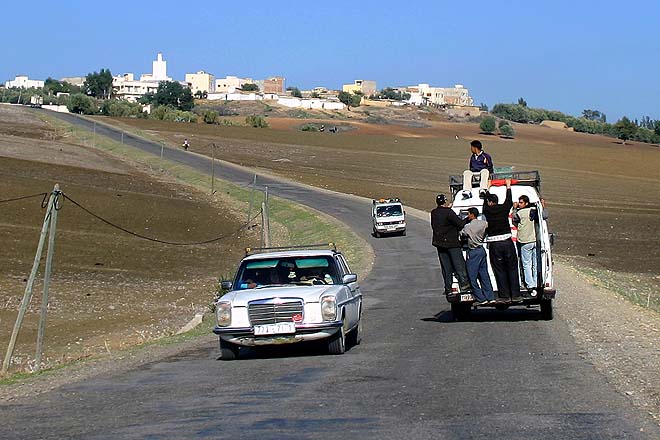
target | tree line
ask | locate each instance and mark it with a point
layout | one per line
(590, 121)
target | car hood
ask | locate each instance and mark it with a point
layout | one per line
(241, 298)
(393, 218)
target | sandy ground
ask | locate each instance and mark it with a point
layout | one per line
(109, 289)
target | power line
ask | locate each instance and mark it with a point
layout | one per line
(43, 194)
(144, 237)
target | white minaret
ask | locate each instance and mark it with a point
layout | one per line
(160, 68)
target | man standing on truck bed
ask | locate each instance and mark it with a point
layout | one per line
(525, 218)
(477, 265)
(503, 258)
(446, 224)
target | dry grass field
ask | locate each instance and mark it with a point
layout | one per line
(604, 197)
(110, 289)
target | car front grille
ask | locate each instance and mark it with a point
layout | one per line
(270, 313)
(391, 223)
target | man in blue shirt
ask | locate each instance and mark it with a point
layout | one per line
(481, 163)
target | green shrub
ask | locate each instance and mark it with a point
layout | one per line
(507, 131)
(256, 121)
(309, 127)
(210, 117)
(82, 104)
(488, 125)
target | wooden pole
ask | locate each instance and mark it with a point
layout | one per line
(212, 168)
(266, 205)
(254, 186)
(47, 273)
(28, 288)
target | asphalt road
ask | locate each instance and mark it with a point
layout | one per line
(416, 375)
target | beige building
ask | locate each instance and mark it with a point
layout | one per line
(201, 82)
(365, 86)
(424, 94)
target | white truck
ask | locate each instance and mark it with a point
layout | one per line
(388, 217)
(522, 182)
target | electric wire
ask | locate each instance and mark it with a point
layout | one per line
(43, 194)
(156, 240)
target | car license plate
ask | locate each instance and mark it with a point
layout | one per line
(467, 297)
(274, 329)
(391, 227)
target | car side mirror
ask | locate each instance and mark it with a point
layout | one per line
(226, 285)
(552, 239)
(349, 278)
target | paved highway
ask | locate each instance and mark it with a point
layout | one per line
(417, 374)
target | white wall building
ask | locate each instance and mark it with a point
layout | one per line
(127, 87)
(24, 82)
(230, 84)
(424, 94)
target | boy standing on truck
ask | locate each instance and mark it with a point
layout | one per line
(446, 224)
(503, 258)
(477, 264)
(525, 218)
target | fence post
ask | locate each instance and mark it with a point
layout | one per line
(28, 288)
(47, 273)
(254, 186)
(213, 168)
(266, 205)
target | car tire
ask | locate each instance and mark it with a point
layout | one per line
(546, 310)
(461, 311)
(355, 336)
(337, 343)
(377, 234)
(228, 351)
(403, 233)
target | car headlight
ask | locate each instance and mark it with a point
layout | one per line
(223, 314)
(329, 308)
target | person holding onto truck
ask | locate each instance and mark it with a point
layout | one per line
(503, 258)
(481, 163)
(525, 218)
(477, 263)
(446, 225)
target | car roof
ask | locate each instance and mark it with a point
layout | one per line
(289, 254)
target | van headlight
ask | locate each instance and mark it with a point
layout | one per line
(223, 314)
(329, 308)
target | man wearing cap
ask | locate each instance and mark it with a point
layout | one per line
(446, 225)
(502, 251)
(481, 163)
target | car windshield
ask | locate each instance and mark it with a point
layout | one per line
(388, 211)
(268, 272)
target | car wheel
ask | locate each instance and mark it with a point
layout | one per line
(461, 311)
(403, 233)
(546, 309)
(376, 234)
(228, 351)
(337, 343)
(355, 336)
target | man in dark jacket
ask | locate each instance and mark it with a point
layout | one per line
(446, 225)
(480, 163)
(502, 251)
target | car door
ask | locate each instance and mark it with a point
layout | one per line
(355, 296)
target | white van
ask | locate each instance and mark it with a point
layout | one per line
(388, 217)
(522, 182)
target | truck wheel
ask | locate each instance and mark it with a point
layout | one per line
(546, 309)
(228, 351)
(461, 311)
(337, 343)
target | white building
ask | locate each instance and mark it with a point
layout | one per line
(127, 87)
(424, 94)
(24, 82)
(230, 84)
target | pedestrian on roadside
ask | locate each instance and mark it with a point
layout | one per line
(477, 263)
(525, 219)
(480, 163)
(502, 251)
(446, 225)
(186, 144)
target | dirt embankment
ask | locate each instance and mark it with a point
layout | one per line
(109, 289)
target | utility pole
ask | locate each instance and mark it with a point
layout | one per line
(47, 273)
(266, 230)
(254, 186)
(94, 136)
(30, 284)
(213, 168)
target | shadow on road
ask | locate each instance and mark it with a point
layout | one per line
(489, 315)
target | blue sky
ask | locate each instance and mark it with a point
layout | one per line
(562, 55)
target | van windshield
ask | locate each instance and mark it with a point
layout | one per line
(389, 211)
(312, 270)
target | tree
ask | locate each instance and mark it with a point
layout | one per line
(210, 117)
(170, 93)
(199, 94)
(351, 100)
(625, 129)
(507, 131)
(522, 102)
(488, 125)
(250, 87)
(502, 123)
(314, 95)
(594, 115)
(390, 93)
(99, 85)
(295, 92)
(483, 107)
(82, 104)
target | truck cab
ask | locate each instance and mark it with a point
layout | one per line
(522, 183)
(388, 217)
